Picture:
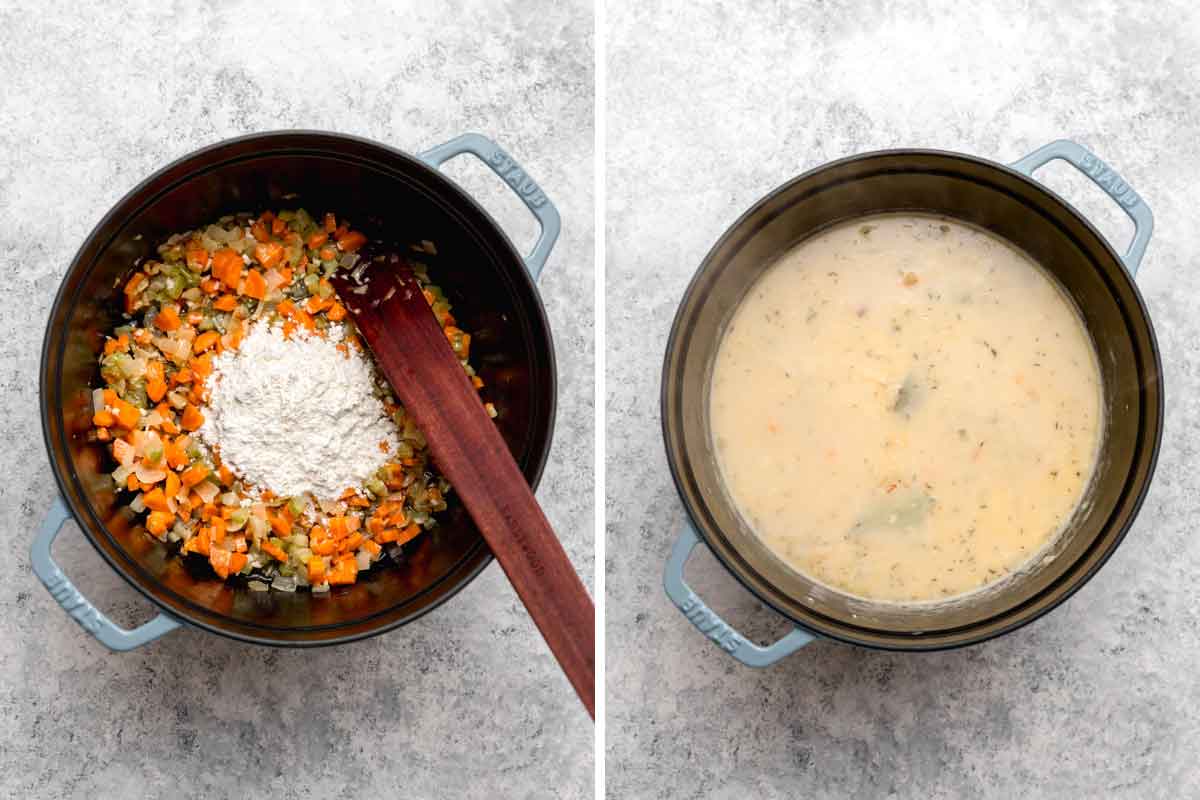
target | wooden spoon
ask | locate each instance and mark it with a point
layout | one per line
(397, 323)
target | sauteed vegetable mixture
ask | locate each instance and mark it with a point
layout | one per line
(199, 299)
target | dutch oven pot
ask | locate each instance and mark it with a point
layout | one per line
(1008, 202)
(390, 195)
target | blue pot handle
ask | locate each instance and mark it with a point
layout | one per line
(518, 180)
(88, 616)
(712, 626)
(1107, 179)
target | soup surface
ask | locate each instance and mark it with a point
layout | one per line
(906, 408)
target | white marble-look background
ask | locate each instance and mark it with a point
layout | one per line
(712, 105)
(466, 702)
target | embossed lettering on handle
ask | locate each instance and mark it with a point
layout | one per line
(711, 625)
(517, 178)
(1107, 179)
(526, 188)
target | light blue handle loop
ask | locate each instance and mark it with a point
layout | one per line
(712, 626)
(517, 178)
(88, 616)
(1107, 179)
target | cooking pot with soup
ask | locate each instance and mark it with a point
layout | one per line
(912, 400)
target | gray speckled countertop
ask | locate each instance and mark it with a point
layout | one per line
(712, 105)
(466, 702)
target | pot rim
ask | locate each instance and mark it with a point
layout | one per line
(264, 140)
(836, 630)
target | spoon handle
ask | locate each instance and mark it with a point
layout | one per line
(413, 353)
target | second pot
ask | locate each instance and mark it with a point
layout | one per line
(1008, 202)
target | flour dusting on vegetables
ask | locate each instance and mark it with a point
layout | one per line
(249, 425)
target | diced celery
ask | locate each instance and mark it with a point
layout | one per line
(296, 505)
(237, 520)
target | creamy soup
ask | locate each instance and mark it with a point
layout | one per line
(906, 408)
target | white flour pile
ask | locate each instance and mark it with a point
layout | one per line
(296, 415)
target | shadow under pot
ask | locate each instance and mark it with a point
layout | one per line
(1009, 203)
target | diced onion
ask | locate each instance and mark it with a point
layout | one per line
(284, 583)
(364, 560)
(136, 504)
(147, 474)
(97, 401)
(207, 491)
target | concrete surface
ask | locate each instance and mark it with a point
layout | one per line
(466, 702)
(711, 105)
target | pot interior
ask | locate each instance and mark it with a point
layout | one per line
(389, 196)
(1009, 206)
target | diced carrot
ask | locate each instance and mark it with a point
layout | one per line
(316, 570)
(218, 527)
(280, 524)
(110, 397)
(317, 239)
(375, 525)
(155, 500)
(477, 381)
(167, 319)
(181, 376)
(278, 226)
(192, 418)
(269, 255)
(194, 474)
(274, 551)
(173, 484)
(205, 341)
(210, 285)
(127, 414)
(256, 284)
(341, 230)
(220, 560)
(103, 418)
(198, 543)
(156, 389)
(259, 231)
(326, 547)
(344, 571)
(286, 276)
(317, 304)
(225, 475)
(143, 336)
(337, 527)
(157, 522)
(336, 312)
(176, 452)
(110, 347)
(351, 543)
(372, 548)
(134, 283)
(201, 366)
(225, 302)
(194, 500)
(197, 258)
(351, 241)
(327, 254)
(227, 267)
(408, 534)
(330, 223)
